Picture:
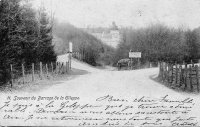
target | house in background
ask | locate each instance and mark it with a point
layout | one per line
(110, 36)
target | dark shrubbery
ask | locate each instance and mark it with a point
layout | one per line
(160, 43)
(24, 36)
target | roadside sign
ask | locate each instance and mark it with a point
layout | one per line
(70, 47)
(135, 54)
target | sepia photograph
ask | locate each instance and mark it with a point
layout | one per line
(100, 63)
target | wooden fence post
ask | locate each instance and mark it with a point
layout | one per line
(180, 75)
(47, 70)
(190, 77)
(186, 76)
(176, 74)
(172, 69)
(70, 62)
(63, 68)
(159, 65)
(11, 72)
(52, 67)
(172, 78)
(168, 72)
(171, 73)
(197, 76)
(56, 67)
(23, 73)
(162, 71)
(33, 72)
(66, 67)
(78, 55)
(166, 78)
(83, 56)
(41, 73)
(59, 67)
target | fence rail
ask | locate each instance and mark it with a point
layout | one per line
(34, 72)
(80, 56)
(183, 76)
(39, 71)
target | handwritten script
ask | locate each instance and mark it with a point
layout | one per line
(105, 110)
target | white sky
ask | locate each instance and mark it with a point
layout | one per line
(135, 13)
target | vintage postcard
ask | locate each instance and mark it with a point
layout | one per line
(100, 63)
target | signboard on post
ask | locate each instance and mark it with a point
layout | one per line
(135, 54)
(70, 47)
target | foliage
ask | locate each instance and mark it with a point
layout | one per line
(22, 36)
(45, 49)
(93, 49)
(160, 43)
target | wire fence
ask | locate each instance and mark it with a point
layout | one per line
(30, 73)
(24, 74)
(80, 56)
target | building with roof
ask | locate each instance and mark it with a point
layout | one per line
(110, 36)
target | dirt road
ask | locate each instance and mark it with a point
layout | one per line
(89, 84)
(97, 82)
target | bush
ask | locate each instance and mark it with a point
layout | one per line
(160, 43)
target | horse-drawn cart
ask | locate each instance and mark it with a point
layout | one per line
(124, 64)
